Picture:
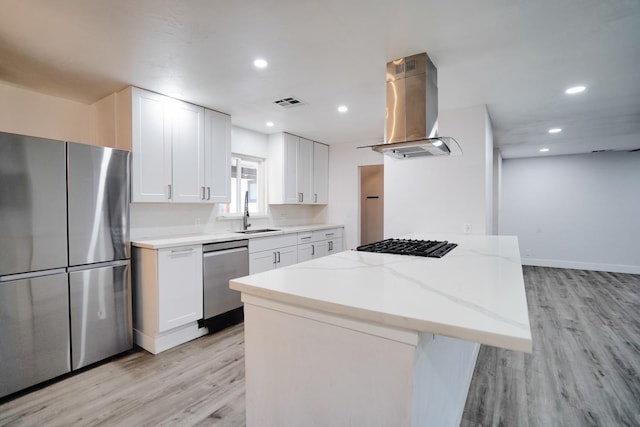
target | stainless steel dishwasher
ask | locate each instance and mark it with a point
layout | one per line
(222, 262)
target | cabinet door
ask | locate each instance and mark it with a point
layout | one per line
(320, 173)
(217, 137)
(305, 252)
(290, 169)
(287, 256)
(179, 286)
(305, 171)
(262, 261)
(187, 148)
(151, 146)
(321, 248)
(335, 245)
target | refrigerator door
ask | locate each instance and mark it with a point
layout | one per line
(98, 204)
(33, 204)
(100, 304)
(34, 331)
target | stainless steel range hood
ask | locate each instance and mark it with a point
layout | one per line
(412, 111)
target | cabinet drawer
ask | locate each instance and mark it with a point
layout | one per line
(330, 233)
(305, 237)
(272, 242)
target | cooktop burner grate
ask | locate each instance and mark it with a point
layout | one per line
(426, 248)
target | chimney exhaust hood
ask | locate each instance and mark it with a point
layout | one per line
(412, 111)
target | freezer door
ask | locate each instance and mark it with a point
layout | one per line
(98, 204)
(34, 331)
(33, 204)
(100, 300)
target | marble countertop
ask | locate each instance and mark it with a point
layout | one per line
(475, 292)
(202, 238)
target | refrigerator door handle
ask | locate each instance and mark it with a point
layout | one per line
(99, 265)
(32, 274)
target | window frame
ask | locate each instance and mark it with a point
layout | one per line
(236, 189)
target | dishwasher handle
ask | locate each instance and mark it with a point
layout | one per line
(220, 246)
(228, 251)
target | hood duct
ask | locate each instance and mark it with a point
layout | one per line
(412, 111)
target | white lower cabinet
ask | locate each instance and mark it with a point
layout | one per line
(319, 243)
(268, 253)
(167, 296)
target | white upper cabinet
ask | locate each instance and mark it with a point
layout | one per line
(291, 170)
(187, 150)
(181, 152)
(151, 146)
(217, 151)
(305, 171)
(320, 173)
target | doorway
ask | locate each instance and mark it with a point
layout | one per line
(371, 203)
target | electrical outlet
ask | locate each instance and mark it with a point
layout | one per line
(467, 228)
(197, 222)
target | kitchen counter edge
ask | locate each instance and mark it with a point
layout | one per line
(204, 238)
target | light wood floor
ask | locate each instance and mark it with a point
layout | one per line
(585, 365)
(583, 370)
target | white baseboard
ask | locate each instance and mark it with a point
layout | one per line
(578, 265)
(166, 340)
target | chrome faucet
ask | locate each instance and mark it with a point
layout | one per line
(245, 217)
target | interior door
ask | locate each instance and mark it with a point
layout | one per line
(371, 203)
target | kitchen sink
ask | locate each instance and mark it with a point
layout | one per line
(260, 230)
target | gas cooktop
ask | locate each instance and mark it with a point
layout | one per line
(425, 248)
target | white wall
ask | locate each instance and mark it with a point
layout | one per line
(577, 211)
(344, 187)
(441, 194)
(497, 189)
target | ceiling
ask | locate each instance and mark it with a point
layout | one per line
(515, 56)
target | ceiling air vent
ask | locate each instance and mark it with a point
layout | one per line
(289, 102)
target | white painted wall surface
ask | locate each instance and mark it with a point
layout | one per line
(344, 187)
(497, 189)
(248, 142)
(577, 211)
(441, 194)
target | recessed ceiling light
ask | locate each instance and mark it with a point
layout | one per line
(343, 108)
(544, 150)
(575, 89)
(555, 130)
(260, 63)
(269, 124)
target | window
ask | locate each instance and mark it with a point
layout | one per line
(246, 175)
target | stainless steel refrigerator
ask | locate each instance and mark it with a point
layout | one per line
(65, 299)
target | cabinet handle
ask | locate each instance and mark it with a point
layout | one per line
(169, 191)
(305, 238)
(181, 251)
(208, 193)
(300, 197)
(330, 246)
(275, 258)
(313, 249)
(328, 234)
(203, 197)
(278, 257)
(315, 198)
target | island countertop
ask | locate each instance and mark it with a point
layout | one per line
(475, 292)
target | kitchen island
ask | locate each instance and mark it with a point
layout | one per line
(376, 339)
